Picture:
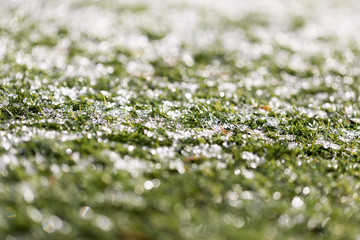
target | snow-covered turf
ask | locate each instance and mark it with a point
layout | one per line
(179, 119)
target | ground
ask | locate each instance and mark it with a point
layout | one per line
(179, 119)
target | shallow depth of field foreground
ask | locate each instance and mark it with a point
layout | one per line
(179, 119)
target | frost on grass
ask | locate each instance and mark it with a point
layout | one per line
(179, 119)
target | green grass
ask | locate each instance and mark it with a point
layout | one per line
(176, 139)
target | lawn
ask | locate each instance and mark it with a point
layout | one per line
(160, 120)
